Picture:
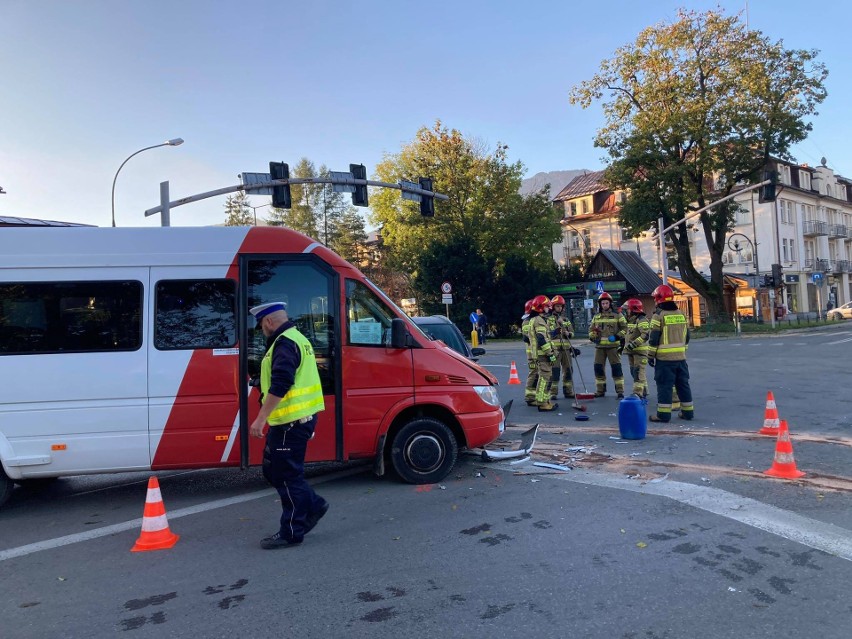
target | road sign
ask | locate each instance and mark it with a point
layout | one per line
(817, 278)
(446, 288)
(247, 179)
(341, 175)
(407, 195)
(599, 286)
(446, 298)
(588, 303)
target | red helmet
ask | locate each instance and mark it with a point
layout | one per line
(557, 299)
(528, 307)
(635, 306)
(605, 296)
(540, 303)
(663, 293)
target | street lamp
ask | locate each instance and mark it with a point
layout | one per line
(173, 142)
(254, 210)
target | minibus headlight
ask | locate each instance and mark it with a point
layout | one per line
(487, 394)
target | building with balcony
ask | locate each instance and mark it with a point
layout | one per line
(806, 230)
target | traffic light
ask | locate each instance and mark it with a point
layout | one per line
(281, 193)
(777, 275)
(768, 282)
(359, 195)
(767, 192)
(427, 202)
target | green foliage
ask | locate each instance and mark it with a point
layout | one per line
(692, 108)
(237, 210)
(483, 226)
(350, 236)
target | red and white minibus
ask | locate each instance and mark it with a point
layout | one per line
(133, 349)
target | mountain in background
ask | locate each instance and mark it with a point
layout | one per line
(558, 180)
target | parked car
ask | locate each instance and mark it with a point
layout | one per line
(440, 327)
(841, 312)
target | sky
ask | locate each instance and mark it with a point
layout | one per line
(86, 83)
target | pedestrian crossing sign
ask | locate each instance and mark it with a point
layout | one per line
(599, 286)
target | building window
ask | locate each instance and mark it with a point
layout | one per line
(625, 235)
(792, 251)
(587, 239)
(70, 317)
(193, 314)
(785, 250)
(784, 173)
(808, 212)
(840, 192)
(585, 206)
(805, 180)
(575, 240)
(572, 209)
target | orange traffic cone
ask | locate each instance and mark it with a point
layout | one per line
(155, 526)
(513, 375)
(784, 465)
(770, 417)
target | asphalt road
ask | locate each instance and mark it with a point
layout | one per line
(671, 536)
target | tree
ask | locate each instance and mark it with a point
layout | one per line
(485, 215)
(237, 210)
(693, 108)
(350, 237)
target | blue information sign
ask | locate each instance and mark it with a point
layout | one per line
(599, 286)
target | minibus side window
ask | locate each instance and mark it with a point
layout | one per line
(193, 314)
(368, 317)
(70, 317)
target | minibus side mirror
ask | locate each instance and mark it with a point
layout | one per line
(399, 334)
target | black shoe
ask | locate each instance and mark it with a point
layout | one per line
(600, 393)
(531, 402)
(683, 415)
(313, 519)
(654, 418)
(569, 395)
(554, 397)
(277, 541)
(620, 395)
(547, 408)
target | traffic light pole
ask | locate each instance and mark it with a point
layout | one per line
(165, 206)
(662, 231)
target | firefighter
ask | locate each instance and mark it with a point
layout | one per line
(544, 355)
(532, 367)
(667, 353)
(638, 330)
(606, 331)
(561, 332)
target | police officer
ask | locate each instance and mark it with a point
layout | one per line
(606, 331)
(542, 347)
(561, 331)
(292, 396)
(638, 330)
(668, 339)
(532, 367)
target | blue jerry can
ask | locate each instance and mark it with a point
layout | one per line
(632, 419)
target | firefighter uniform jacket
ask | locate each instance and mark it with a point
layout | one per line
(669, 336)
(638, 332)
(561, 330)
(606, 324)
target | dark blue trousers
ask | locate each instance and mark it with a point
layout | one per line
(668, 375)
(284, 468)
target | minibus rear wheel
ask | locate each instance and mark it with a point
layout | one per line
(6, 486)
(424, 451)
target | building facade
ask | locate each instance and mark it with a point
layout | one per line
(806, 232)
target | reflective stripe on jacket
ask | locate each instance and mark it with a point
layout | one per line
(305, 395)
(669, 336)
(608, 323)
(540, 337)
(638, 331)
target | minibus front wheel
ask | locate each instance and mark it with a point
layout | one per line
(6, 486)
(424, 451)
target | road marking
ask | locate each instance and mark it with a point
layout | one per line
(50, 544)
(784, 523)
(840, 341)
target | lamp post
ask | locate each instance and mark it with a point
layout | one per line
(254, 210)
(172, 142)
